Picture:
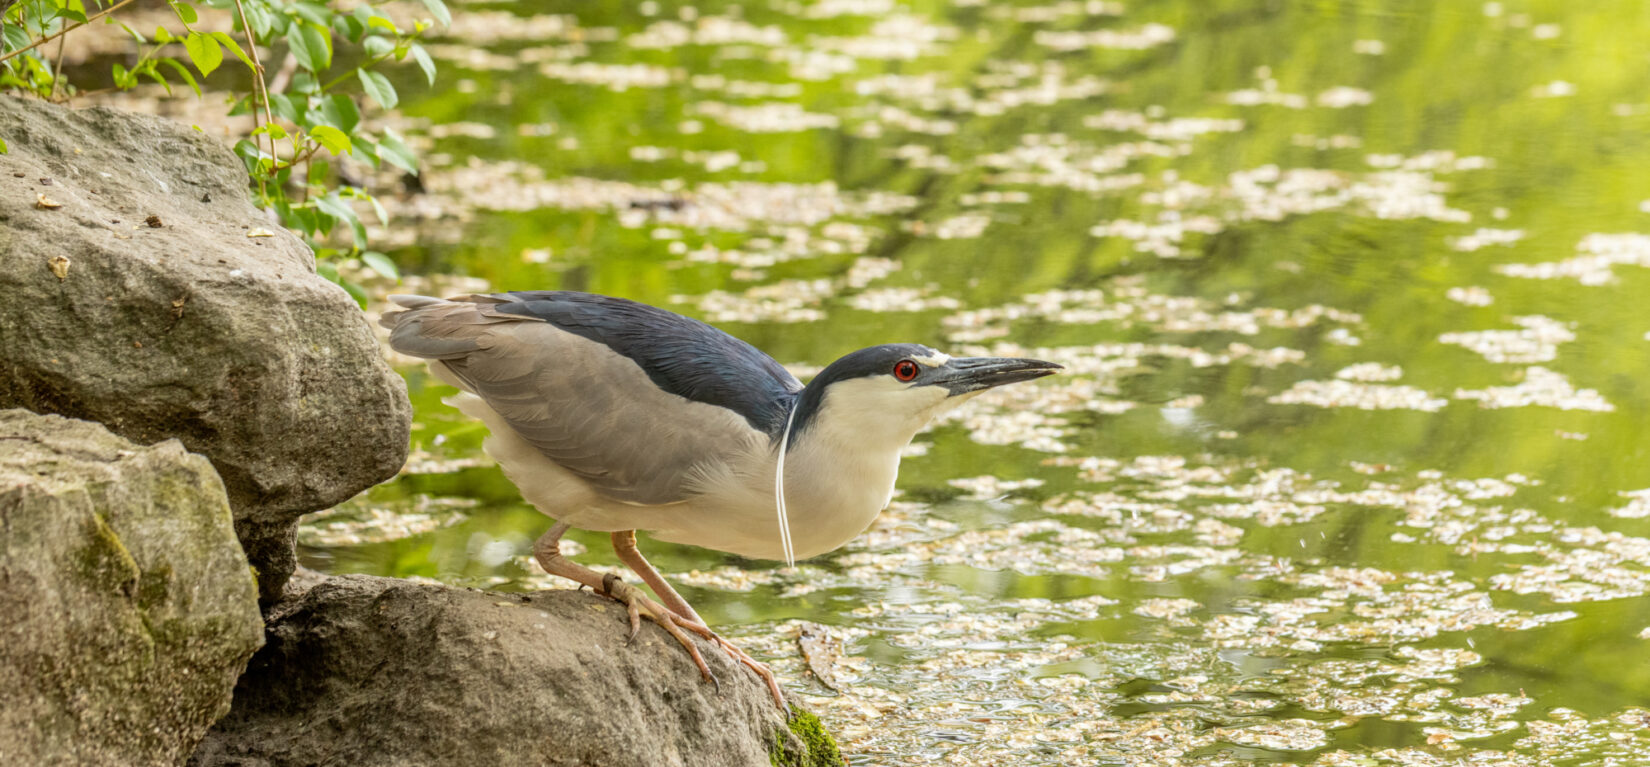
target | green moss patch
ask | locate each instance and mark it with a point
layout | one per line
(818, 747)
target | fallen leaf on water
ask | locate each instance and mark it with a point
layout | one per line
(260, 232)
(45, 203)
(60, 266)
(820, 650)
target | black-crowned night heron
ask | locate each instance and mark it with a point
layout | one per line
(616, 416)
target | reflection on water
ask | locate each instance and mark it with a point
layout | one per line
(1347, 469)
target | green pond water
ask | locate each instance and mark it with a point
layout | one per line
(1349, 466)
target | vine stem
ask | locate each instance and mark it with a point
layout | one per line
(260, 89)
(65, 30)
(359, 67)
(58, 75)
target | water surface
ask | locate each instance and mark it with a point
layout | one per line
(1349, 467)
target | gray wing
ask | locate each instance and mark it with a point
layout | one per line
(590, 409)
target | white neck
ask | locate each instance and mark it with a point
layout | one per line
(841, 469)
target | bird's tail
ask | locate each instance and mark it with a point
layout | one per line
(439, 328)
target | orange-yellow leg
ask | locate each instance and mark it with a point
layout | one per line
(548, 552)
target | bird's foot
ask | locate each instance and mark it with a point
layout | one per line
(638, 604)
(755, 665)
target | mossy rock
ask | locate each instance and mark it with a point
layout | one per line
(818, 748)
(129, 611)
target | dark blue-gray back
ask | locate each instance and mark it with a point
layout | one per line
(681, 355)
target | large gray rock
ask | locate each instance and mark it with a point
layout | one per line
(190, 329)
(126, 606)
(369, 671)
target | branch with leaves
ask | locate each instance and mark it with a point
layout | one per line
(299, 132)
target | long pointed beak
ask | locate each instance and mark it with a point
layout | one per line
(972, 374)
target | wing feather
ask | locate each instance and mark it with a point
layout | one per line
(594, 411)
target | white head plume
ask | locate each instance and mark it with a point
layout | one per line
(779, 491)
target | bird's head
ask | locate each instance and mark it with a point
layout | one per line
(889, 392)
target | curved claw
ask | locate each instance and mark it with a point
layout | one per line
(761, 669)
(611, 584)
(638, 604)
(758, 667)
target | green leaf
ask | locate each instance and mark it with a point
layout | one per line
(335, 141)
(312, 46)
(3, 148)
(327, 270)
(155, 75)
(378, 87)
(384, 24)
(339, 111)
(381, 264)
(305, 218)
(16, 38)
(363, 13)
(234, 47)
(203, 51)
(162, 36)
(377, 45)
(319, 15)
(391, 148)
(124, 79)
(287, 108)
(262, 21)
(438, 9)
(378, 209)
(365, 149)
(337, 208)
(351, 27)
(186, 12)
(424, 62)
(183, 72)
(358, 193)
(257, 163)
(356, 292)
(273, 130)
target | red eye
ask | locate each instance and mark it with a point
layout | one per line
(905, 370)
